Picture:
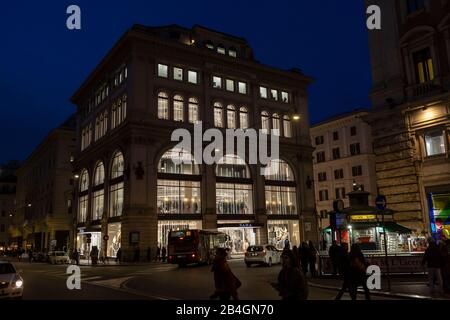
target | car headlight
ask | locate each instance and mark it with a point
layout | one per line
(19, 283)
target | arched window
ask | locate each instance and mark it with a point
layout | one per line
(234, 189)
(105, 123)
(178, 183)
(243, 118)
(276, 124)
(118, 112)
(265, 122)
(193, 110)
(287, 128)
(280, 188)
(163, 106)
(98, 191)
(84, 197)
(117, 165)
(99, 174)
(218, 115)
(278, 170)
(231, 117)
(116, 187)
(84, 180)
(178, 108)
(114, 116)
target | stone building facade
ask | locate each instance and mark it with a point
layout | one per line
(410, 59)
(43, 217)
(343, 161)
(131, 190)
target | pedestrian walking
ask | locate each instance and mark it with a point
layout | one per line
(225, 282)
(163, 254)
(304, 257)
(292, 284)
(30, 256)
(158, 253)
(119, 255)
(335, 252)
(296, 253)
(433, 260)
(344, 267)
(358, 276)
(446, 268)
(312, 259)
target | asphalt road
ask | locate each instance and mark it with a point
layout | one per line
(152, 281)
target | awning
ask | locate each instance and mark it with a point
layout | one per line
(389, 225)
(395, 227)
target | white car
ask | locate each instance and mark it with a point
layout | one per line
(11, 283)
(58, 257)
(262, 254)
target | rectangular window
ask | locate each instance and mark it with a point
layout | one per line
(423, 65)
(320, 156)
(335, 135)
(274, 94)
(355, 149)
(336, 153)
(340, 193)
(97, 205)
(234, 198)
(353, 131)
(178, 74)
(322, 176)
(281, 200)
(284, 97)
(319, 140)
(217, 82)
(116, 200)
(323, 195)
(434, 142)
(339, 174)
(263, 92)
(229, 85)
(357, 171)
(415, 5)
(232, 53)
(192, 77)
(178, 110)
(82, 209)
(163, 70)
(221, 50)
(242, 87)
(178, 197)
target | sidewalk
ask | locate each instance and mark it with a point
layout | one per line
(402, 287)
(113, 263)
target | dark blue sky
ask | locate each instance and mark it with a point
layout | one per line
(42, 63)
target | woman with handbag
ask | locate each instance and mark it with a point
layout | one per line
(358, 276)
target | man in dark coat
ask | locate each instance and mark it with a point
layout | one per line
(335, 252)
(226, 283)
(292, 284)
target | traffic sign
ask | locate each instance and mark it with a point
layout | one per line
(380, 202)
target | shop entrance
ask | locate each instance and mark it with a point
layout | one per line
(239, 238)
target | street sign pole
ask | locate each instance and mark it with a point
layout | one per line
(380, 202)
(385, 254)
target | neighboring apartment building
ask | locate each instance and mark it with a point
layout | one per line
(8, 181)
(43, 216)
(410, 121)
(343, 160)
(132, 190)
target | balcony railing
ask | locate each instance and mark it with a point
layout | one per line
(423, 89)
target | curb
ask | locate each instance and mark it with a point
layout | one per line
(388, 294)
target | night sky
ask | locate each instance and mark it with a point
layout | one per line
(43, 63)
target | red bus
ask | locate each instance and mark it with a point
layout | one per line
(194, 246)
